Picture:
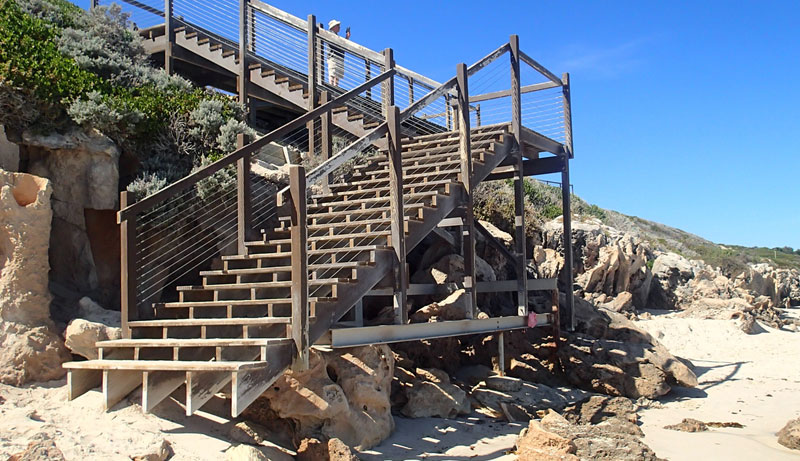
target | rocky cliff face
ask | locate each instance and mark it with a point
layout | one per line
(621, 272)
(30, 350)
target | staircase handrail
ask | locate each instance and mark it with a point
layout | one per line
(249, 149)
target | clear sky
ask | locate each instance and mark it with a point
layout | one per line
(685, 113)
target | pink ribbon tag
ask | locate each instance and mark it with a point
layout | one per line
(532, 320)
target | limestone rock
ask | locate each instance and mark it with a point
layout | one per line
(343, 394)
(623, 302)
(9, 153)
(789, 436)
(535, 443)
(83, 169)
(599, 408)
(42, 447)
(81, 336)
(605, 441)
(333, 450)
(251, 453)
(429, 393)
(688, 425)
(29, 348)
(523, 404)
(159, 452)
(503, 383)
(453, 307)
(451, 269)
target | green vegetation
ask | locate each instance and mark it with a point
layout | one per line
(62, 68)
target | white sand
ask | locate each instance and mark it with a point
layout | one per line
(750, 379)
(82, 431)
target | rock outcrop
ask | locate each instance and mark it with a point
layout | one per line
(30, 350)
(429, 393)
(83, 169)
(42, 447)
(343, 394)
(789, 436)
(610, 355)
(95, 324)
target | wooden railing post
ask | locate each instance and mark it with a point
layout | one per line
(312, 81)
(299, 236)
(387, 88)
(243, 196)
(468, 229)
(398, 215)
(127, 239)
(566, 205)
(519, 180)
(368, 75)
(244, 69)
(93, 4)
(327, 139)
(168, 33)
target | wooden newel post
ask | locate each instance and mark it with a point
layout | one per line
(327, 139)
(398, 216)
(566, 205)
(243, 197)
(244, 69)
(387, 87)
(468, 229)
(127, 239)
(93, 3)
(299, 236)
(312, 82)
(169, 34)
(519, 180)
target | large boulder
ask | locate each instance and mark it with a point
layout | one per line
(610, 355)
(429, 393)
(451, 269)
(30, 350)
(332, 450)
(523, 403)
(536, 443)
(789, 436)
(96, 324)
(344, 394)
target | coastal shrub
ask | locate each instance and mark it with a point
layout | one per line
(63, 68)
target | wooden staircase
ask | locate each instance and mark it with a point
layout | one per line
(232, 333)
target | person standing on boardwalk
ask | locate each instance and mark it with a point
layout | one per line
(336, 55)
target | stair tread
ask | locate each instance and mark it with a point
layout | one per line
(209, 321)
(267, 270)
(207, 342)
(310, 252)
(165, 365)
(249, 285)
(321, 238)
(231, 302)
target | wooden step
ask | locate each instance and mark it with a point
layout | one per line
(286, 254)
(211, 342)
(372, 200)
(258, 285)
(234, 302)
(199, 322)
(409, 208)
(348, 187)
(273, 269)
(163, 365)
(319, 238)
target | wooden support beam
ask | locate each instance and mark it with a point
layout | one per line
(468, 230)
(244, 71)
(128, 264)
(169, 26)
(387, 90)
(519, 178)
(312, 82)
(567, 115)
(117, 384)
(327, 140)
(299, 237)
(247, 386)
(567, 216)
(397, 215)
(243, 199)
(530, 167)
(507, 93)
(158, 385)
(81, 381)
(201, 386)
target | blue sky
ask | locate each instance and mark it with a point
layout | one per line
(685, 113)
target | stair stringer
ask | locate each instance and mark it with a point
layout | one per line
(330, 313)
